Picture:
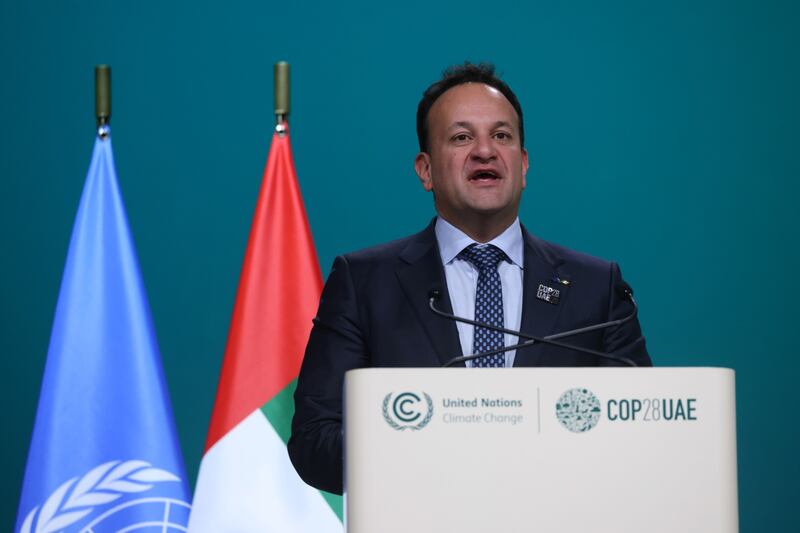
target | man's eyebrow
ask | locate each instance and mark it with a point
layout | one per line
(468, 125)
(460, 124)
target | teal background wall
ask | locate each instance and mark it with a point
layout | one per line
(662, 135)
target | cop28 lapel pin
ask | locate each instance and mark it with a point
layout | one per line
(548, 294)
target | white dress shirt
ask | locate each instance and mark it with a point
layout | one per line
(462, 280)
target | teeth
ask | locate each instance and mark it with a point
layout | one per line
(485, 176)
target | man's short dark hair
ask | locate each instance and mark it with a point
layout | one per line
(457, 75)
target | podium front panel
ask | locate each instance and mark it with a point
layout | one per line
(540, 450)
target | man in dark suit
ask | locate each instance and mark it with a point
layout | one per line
(374, 308)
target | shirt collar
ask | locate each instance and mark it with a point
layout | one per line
(452, 240)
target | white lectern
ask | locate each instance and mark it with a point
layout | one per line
(540, 450)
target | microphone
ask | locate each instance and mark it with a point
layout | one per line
(623, 289)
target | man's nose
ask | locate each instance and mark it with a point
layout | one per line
(483, 149)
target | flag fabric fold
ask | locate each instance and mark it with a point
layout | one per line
(246, 482)
(104, 455)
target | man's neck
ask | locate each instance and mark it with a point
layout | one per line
(482, 230)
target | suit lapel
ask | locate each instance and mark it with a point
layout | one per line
(419, 271)
(541, 267)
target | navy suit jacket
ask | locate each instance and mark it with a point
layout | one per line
(374, 313)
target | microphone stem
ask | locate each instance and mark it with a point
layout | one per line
(604, 325)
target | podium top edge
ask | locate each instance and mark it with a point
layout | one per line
(550, 370)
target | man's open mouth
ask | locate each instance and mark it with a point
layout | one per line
(484, 175)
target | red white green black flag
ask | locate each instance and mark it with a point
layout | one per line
(246, 481)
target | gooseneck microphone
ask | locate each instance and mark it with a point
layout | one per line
(623, 288)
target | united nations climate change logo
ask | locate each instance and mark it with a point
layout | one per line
(578, 410)
(407, 410)
(85, 503)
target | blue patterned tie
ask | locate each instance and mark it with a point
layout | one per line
(488, 303)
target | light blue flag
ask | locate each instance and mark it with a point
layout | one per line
(104, 454)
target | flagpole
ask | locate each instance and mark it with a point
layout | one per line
(102, 98)
(281, 96)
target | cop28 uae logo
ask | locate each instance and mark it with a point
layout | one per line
(407, 410)
(578, 410)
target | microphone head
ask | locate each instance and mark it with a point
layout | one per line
(435, 294)
(624, 290)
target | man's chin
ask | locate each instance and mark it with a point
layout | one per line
(493, 207)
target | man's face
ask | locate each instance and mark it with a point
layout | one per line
(474, 165)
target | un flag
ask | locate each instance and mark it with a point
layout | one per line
(104, 455)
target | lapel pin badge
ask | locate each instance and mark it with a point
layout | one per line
(548, 294)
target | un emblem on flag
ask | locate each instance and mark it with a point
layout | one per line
(407, 410)
(82, 504)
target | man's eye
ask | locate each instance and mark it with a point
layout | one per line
(461, 137)
(502, 136)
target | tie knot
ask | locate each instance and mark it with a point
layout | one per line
(483, 257)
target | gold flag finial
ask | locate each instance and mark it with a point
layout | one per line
(102, 98)
(281, 95)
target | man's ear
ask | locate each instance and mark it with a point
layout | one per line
(524, 167)
(422, 164)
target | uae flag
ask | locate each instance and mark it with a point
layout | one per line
(246, 481)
